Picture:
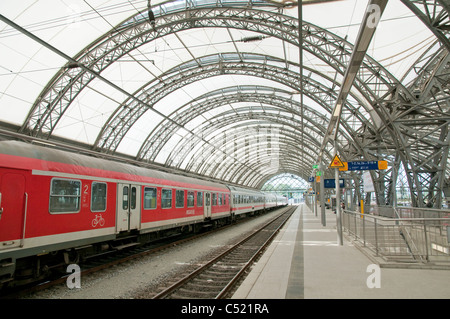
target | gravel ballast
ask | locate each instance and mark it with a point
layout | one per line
(130, 279)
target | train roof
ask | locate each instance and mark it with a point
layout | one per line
(47, 159)
(244, 189)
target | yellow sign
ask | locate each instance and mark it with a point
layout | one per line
(382, 164)
(336, 162)
(345, 168)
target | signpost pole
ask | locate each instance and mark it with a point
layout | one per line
(315, 197)
(338, 207)
(338, 198)
(337, 163)
(313, 207)
(322, 196)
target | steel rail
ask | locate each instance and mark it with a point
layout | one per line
(169, 290)
(92, 264)
(235, 279)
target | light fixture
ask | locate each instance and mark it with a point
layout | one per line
(151, 16)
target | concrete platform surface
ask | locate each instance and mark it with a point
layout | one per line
(305, 261)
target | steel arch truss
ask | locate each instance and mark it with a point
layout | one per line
(259, 130)
(373, 81)
(385, 117)
(422, 131)
(258, 66)
(435, 14)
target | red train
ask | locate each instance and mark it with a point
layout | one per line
(57, 207)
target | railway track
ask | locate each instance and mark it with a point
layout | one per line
(216, 278)
(99, 263)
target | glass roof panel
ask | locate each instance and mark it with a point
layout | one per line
(285, 182)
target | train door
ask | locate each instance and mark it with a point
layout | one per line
(207, 205)
(12, 209)
(128, 207)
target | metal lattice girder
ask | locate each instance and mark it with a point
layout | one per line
(435, 14)
(264, 145)
(425, 69)
(248, 136)
(371, 87)
(287, 178)
(333, 50)
(245, 142)
(424, 125)
(373, 79)
(421, 128)
(252, 64)
(426, 139)
(282, 158)
(418, 130)
(314, 89)
(283, 99)
(317, 91)
(195, 108)
(395, 112)
(227, 119)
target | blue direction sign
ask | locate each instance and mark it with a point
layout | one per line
(366, 165)
(331, 183)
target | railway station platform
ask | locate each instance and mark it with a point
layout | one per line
(305, 261)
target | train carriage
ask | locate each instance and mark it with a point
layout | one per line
(246, 200)
(270, 201)
(58, 207)
(54, 201)
(281, 200)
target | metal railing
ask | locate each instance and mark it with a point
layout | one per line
(408, 212)
(407, 235)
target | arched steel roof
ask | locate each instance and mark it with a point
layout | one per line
(213, 88)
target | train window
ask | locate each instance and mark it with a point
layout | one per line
(220, 199)
(224, 199)
(149, 198)
(133, 198)
(166, 198)
(179, 198)
(190, 199)
(214, 199)
(125, 198)
(65, 196)
(98, 197)
(199, 199)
